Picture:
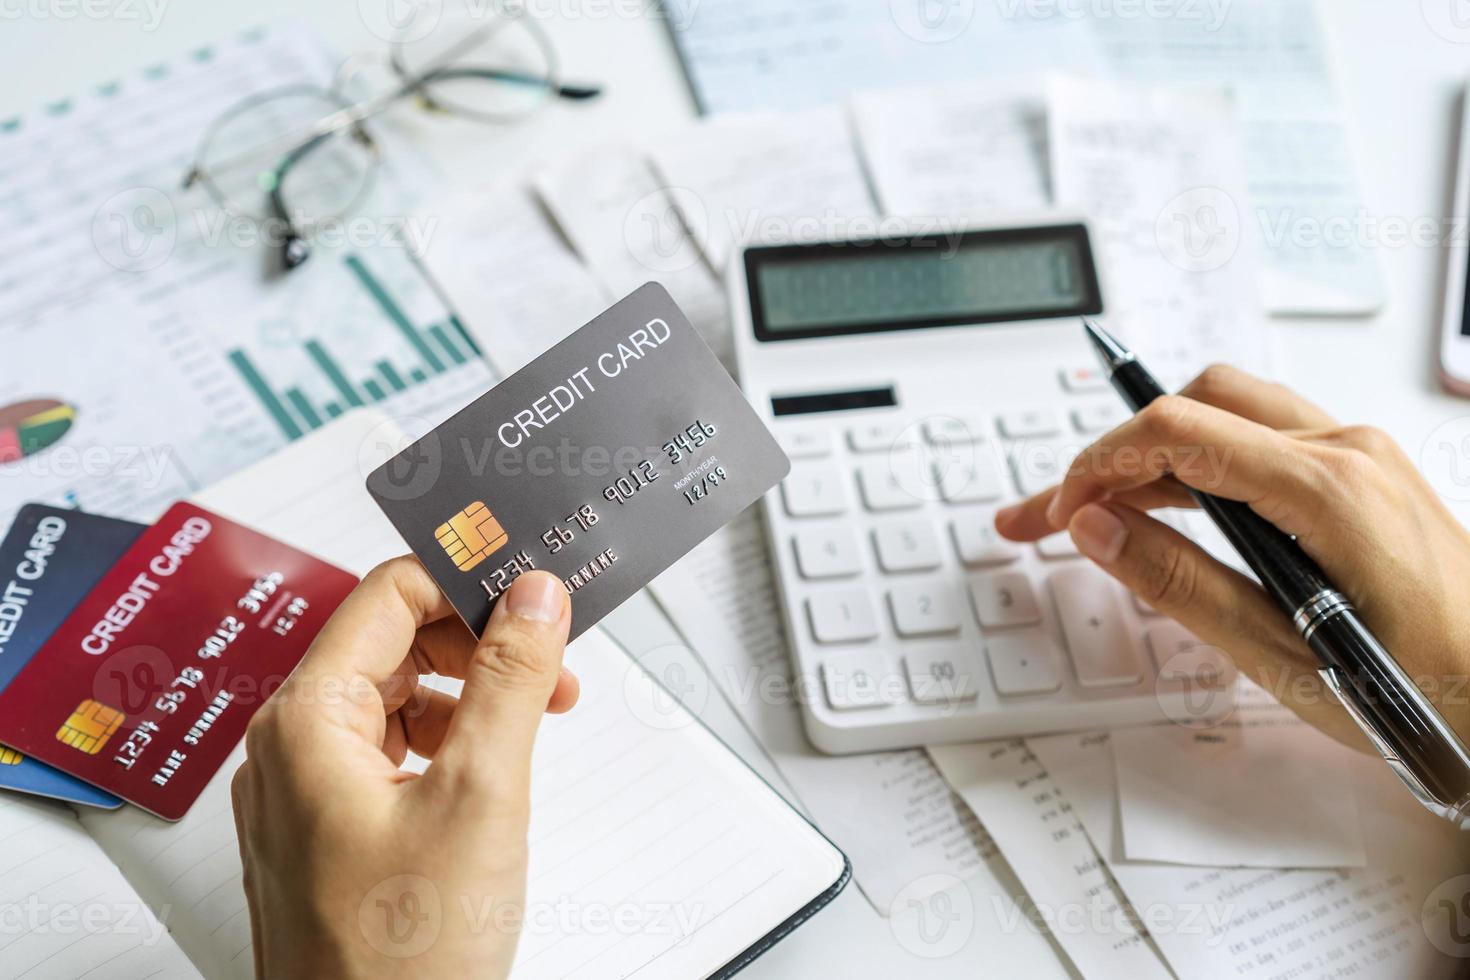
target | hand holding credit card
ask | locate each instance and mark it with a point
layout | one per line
(603, 461)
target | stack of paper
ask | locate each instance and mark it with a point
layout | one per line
(1158, 175)
(1204, 921)
(1271, 55)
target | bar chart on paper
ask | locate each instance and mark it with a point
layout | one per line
(410, 345)
(123, 434)
(201, 381)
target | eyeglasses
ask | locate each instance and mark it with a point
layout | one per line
(298, 157)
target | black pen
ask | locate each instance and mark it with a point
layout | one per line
(1388, 706)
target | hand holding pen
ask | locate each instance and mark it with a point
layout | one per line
(1359, 511)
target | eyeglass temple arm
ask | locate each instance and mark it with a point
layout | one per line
(570, 91)
(294, 250)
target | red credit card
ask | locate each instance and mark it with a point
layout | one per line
(150, 682)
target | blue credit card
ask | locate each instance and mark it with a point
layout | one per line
(49, 561)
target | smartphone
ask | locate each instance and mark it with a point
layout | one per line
(1454, 357)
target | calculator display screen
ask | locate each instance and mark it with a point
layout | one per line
(877, 285)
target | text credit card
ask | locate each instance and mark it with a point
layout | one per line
(50, 559)
(603, 461)
(148, 685)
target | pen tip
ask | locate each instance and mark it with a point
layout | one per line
(1109, 348)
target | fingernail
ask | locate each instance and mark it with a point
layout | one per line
(538, 597)
(1007, 514)
(1054, 511)
(1099, 534)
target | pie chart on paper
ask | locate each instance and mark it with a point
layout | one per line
(28, 427)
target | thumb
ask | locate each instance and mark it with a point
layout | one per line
(508, 683)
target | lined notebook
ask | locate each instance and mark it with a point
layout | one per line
(640, 816)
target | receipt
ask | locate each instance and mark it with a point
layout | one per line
(623, 222)
(1222, 924)
(1160, 176)
(956, 149)
(783, 178)
(516, 284)
(1263, 789)
(1305, 202)
(1069, 886)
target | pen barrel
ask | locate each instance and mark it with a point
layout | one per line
(1408, 730)
(1137, 387)
(1285, 570)
(1415, 739)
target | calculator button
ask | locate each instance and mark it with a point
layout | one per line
(826, 553)
(1181, 656)
(1103, 416)
(907, 546)
(1039, 466)
(1024, 663)
(1059, 545)
(1030, 423)
(806, 443)
(879, 437)
(856, 681)
(1004, 599)
(842, 617)
(947, 430)
(943, 674)
(1085, 378)
(978, 543)
(924, 610)
(881, 487)
(1092, 622)
(814, 490)
(972, 481)
(1168, 639)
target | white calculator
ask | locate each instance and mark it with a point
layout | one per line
(918, 384)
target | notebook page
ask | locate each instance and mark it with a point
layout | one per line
(907, 833)
(65, 911)
(191, 868)
(614, 835)
(642, 820)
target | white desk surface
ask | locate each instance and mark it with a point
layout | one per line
(1399, 80)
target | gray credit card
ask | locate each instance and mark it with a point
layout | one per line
(603, 461)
